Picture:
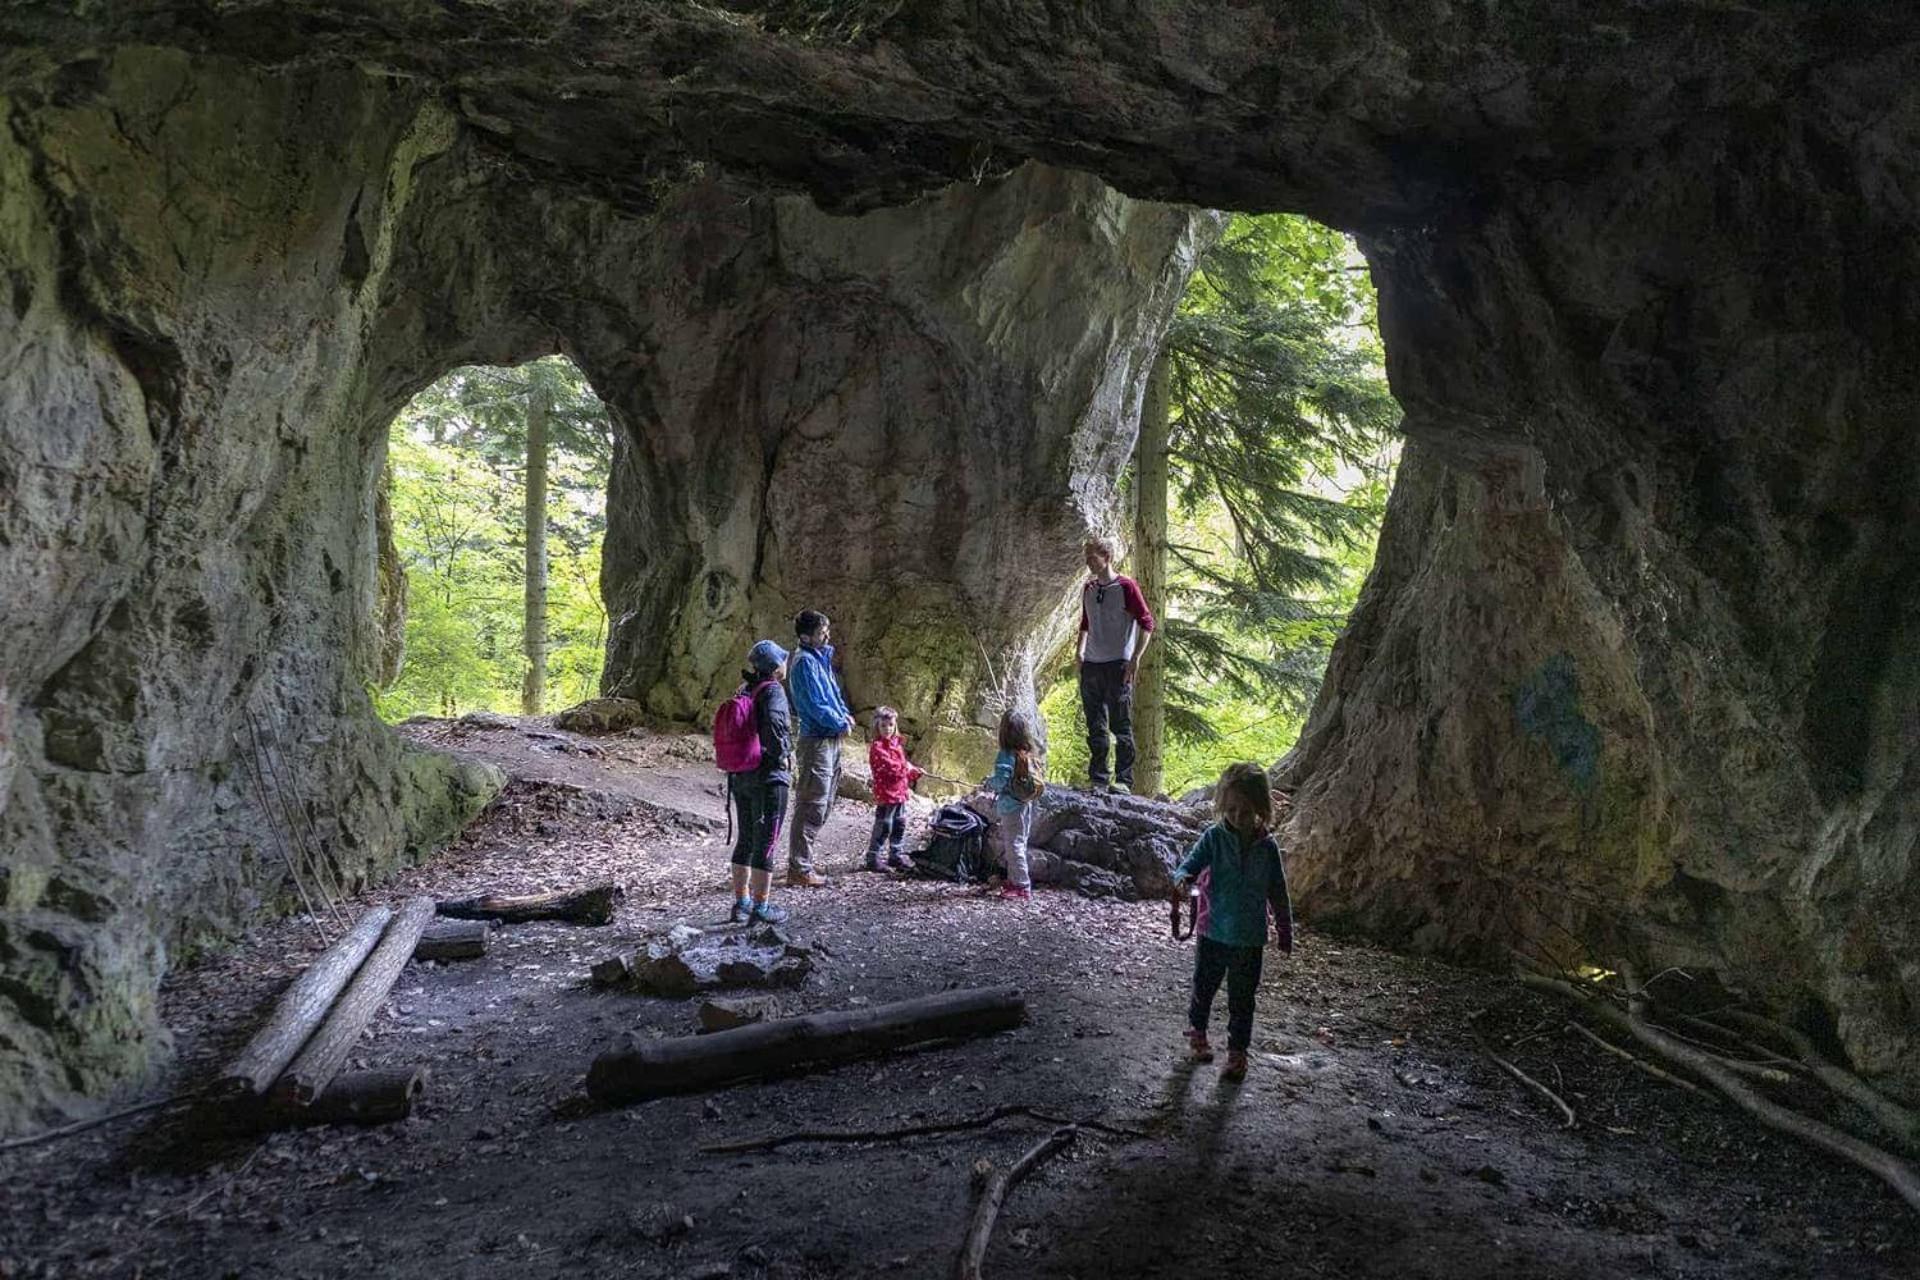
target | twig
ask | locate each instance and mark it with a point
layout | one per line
(1534, 1085)
(252, 766)
(1644, 1065)
(973, 1251)
(81, 1126)
(1900, 1123)
(982, 1121)
(317, 867)
(1897, 1173)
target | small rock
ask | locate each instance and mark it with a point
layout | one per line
(709, 1110)
(1489, 1175)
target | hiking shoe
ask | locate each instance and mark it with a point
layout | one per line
(767, 913)
(804, 879)
(873, 862)
(1014, 893)
(1098, 788)
(742, 911)
(1236, 1068)
(1197, 1047)
(1121, 789)
(899, 862)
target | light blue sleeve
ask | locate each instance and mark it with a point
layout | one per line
(1002, 773)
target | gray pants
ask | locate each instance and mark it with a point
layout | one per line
(1010, 832)
(816, 776)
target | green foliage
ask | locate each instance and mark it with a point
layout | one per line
(457, 455)
(1281, 444)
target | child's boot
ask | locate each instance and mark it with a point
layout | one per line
(899, 861)
(1197, 1046)
(873, 860)
(1236, 1068)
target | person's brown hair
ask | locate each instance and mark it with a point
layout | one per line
(1102, 544)
(1016, 731)
(1244, 786)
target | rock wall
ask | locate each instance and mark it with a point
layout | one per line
(1636, 672)
(909, 419)
(221, 286)
(185, 533)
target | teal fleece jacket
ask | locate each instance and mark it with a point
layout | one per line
(1246, 876)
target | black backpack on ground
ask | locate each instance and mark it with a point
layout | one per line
(956, 846)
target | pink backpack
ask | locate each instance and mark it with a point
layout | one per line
(736, 734)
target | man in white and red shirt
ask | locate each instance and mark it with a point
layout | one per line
(1115, 628)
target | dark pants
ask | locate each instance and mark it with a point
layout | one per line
(1107, 698)
(1240, 966)
(758, 807)
(889, 829)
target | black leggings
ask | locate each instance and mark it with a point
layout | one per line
(1240, 966)
(758, 808)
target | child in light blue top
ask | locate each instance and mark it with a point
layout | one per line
(1241, 860)
(1015, 782)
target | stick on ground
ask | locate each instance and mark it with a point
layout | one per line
(1536, 1086)
(454, 940)
(326, 1052)
(359, 1097)
(973, 1252)
(303, 1007)
(985, 1120)
(1897, 1173)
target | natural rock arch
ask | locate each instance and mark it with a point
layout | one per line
(1647, 277)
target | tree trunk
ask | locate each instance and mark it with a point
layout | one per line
(637, 1069)
(302, 1007)
(591, 905)
(1150, 467)
(327, 1051)
(533, 686)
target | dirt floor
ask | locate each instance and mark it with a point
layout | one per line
(1373, 1137)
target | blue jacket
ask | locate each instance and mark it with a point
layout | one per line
(1247, 877)
(821, 710)
(1001, 784)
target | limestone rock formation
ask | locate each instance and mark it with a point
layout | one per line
(1106, 845)
(1639, 668)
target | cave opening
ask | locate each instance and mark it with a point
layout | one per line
(1251, 508)
(495, 488)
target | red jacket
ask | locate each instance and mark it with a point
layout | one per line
(892, 774)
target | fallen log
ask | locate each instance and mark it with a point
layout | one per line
(358, 1097)
(590, 905)
(454, 940)
(302, 1007)
(973, 1252)
(637, 1069)
(320, 1061)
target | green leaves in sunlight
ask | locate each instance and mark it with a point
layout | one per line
(457, 455)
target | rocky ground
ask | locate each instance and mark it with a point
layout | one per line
(1372, 1138)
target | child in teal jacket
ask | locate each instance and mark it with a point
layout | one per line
(1241, 860)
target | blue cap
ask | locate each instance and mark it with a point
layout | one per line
(766, 657)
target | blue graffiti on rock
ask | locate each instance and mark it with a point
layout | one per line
(1547, 705)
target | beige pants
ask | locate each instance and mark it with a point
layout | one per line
(816, 777)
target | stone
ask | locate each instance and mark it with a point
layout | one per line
(487, 720)
(1107, 844)
(684, 963)
(603, 715)
(726, 1014)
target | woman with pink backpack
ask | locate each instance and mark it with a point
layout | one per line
(753, 745)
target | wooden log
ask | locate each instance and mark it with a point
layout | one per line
(324, 1055)
(636, 1069)
(454, 940)
(358, 1097)
(302, 1007)
(590, 905)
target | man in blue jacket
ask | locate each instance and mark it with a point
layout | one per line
(823, 721)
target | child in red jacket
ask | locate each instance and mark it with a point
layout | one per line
(892, 775)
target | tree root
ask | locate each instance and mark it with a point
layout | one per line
(982, 1121)
(1891, 1169)
(973, 1251)
(1665, 1076)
